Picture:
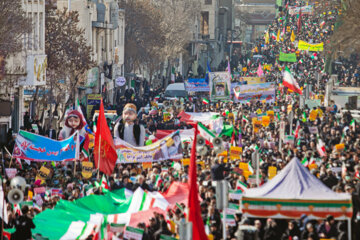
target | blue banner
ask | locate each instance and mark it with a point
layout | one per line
(196, 85)
(34, 147)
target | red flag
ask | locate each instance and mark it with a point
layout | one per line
(104, 150)
(193, 203)
(233, 138)
(299, 22)
(297, 129)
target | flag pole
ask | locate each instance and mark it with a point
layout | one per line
(3, 190)
(77, 153)
(10, 156)
(98, 176)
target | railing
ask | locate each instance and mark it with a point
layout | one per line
(354, 113)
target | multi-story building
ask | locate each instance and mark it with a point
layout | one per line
(104, 26)
(252, 18)
(210, 34)
(24, 71)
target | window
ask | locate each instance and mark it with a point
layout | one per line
(208, 2)
(205, 23)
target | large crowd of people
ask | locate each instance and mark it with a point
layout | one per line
(337, 169)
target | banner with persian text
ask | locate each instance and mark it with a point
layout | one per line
(168, 147)
(318, 47)
(34, 147)
(304, 10)
(252, 80)
(259, 92)
(196, 85)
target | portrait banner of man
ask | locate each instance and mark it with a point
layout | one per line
(220, 86)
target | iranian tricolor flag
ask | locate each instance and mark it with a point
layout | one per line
(245, 119)
(352, 124)
(81, 230)
(322, 24)
(305, 162)
(273, 36)
(297, 129)
(304, 118)
(251, 169)
(17, 209)
(158, 181)
(312, 161)
(290, 82)
(343, 170)
(85, 147)
(157, 97)
(205, 101)
(357, 175)
(241, 186)
(75, 220)
(236, 93)
(205, 133)
(104, 183)
(321, 148)
(78, 108)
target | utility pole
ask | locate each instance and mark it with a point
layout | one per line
(222, 201)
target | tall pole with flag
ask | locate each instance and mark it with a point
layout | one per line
(193, 201)
(77, 150)
(299, 21)
(104, 149)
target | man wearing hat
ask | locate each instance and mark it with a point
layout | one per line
(127, 129)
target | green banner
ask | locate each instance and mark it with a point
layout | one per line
(287, 57)
(166, 237)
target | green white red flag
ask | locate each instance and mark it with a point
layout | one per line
(205, 133)
(290, 82)
(205, 101)
(321, 148)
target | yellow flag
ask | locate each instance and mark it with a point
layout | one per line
(292, 38)
(278, 36)
(267, 37)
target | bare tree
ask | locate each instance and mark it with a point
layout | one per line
(13, 26)
(143, 34)
(177, 23)
(157, 31)
(346, 36)
(68, 55)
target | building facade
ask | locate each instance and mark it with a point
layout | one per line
(210, 35)
(24, 71)
(252, 18)
(104, 26)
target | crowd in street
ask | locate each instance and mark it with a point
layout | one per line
(337, 169)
